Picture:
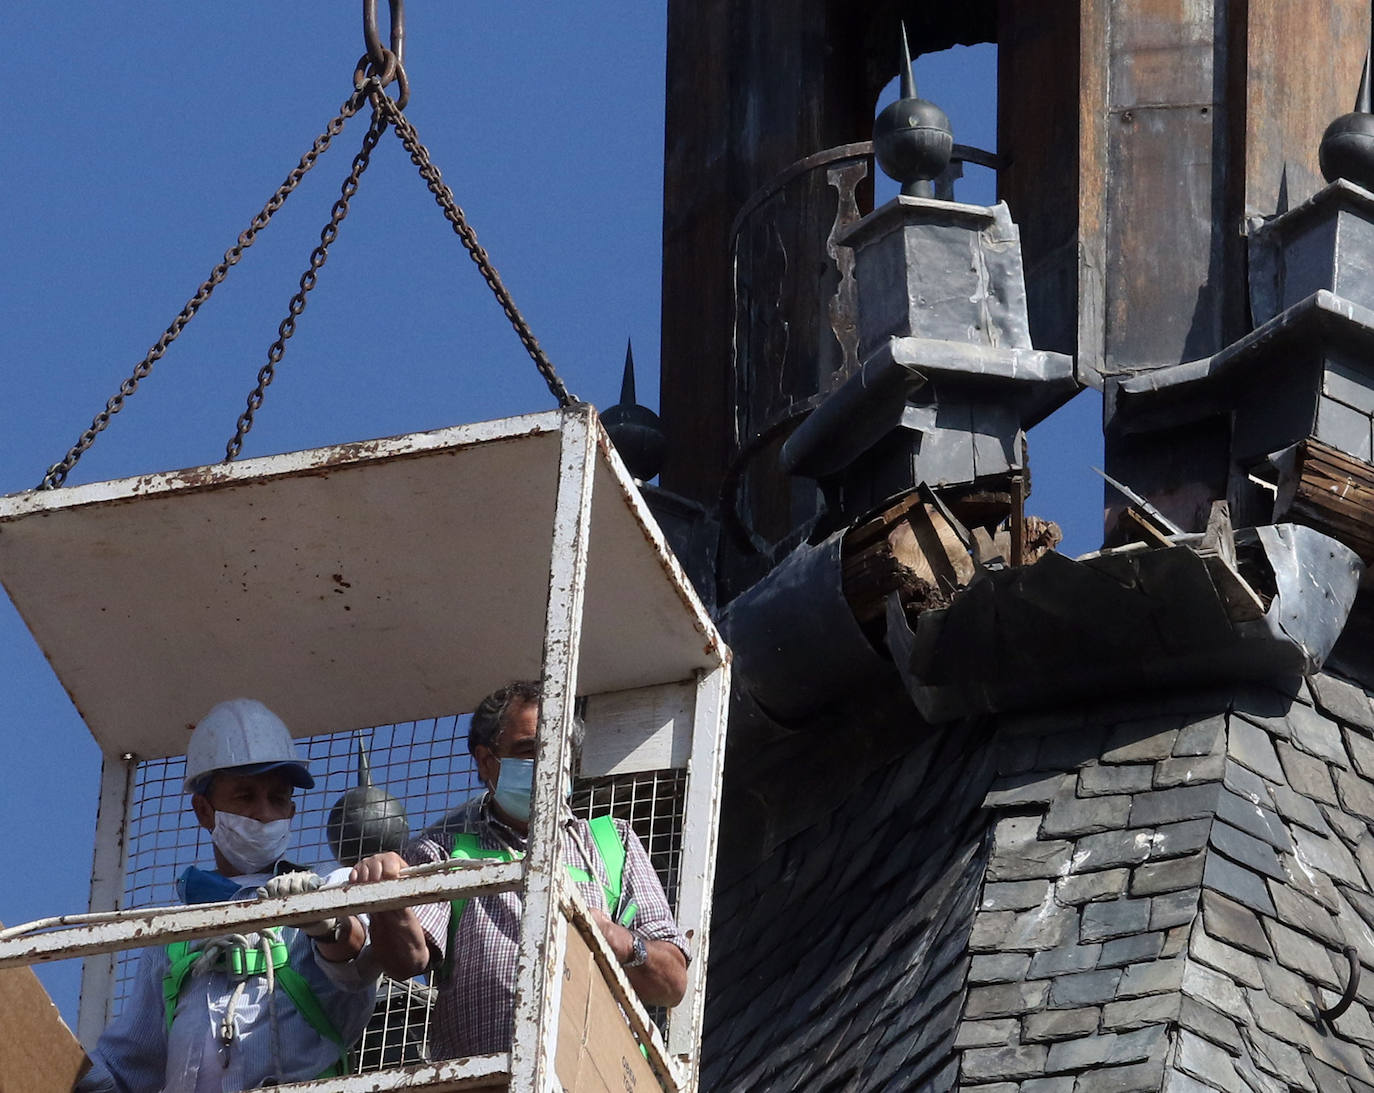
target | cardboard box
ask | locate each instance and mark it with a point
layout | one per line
(597, 1052)
(38, 1053)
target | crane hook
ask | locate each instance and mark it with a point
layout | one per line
(386, 64)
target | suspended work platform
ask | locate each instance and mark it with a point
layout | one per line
(371, 584)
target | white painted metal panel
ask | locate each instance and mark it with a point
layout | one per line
(649, 728)
(350, 586)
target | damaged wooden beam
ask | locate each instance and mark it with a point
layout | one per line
(1329, 491)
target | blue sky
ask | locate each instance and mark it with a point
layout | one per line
(143, 138)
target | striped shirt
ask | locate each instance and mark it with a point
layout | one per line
(138, 1053)
(475, 1006)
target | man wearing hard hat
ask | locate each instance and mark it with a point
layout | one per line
(240, 1012)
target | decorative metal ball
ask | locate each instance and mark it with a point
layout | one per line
(1347, 149)
(638, 437)
(366, 820)
(912, 140)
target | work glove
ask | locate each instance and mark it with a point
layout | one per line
(293, 884)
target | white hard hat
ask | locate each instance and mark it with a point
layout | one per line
(242, 733)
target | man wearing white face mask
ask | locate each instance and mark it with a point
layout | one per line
(471, 945)
(240, 1012)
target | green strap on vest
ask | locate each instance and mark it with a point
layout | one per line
(243, 962)
(609, 848)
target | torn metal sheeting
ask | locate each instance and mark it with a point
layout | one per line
(1122, 620)
(797, 647)
(349, 586)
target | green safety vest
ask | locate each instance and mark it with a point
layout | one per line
(244, 962)
(609, 848)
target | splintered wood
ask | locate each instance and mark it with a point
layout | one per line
(917, 550)
(1333, 493)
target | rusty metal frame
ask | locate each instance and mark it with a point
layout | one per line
(109, 863)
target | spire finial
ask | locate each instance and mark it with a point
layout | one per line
(1362, 97)
(364, 767)
(1347, 147)
(908, 74)
(912, 138)
(627, 380)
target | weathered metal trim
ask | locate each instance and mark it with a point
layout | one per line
(109, 863)
(538, 976)
(475, 1072)
(160, 925)
(700, 836)
(265, 468)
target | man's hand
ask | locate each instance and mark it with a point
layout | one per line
(294, 884)
(385, 866)
(662, 979)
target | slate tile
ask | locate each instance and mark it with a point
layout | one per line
(1068, 958)
(1154, 878)
(1361, 750)
(1084, 988)
(1066, 750)
(1026, 789)
(1284, 1009)
(1092, 887)
(1327, 1079)
(1188, 770)
(1014, 895)
(1153, 1009)
(1237, 883)
(1280, 1059)
(1114, 918)
(1142, 741)
(1341, 1055)
(983, 1033)
(989, 931)
(1318, 735)
(1242, 849)
(1348, 827)
(1305, 915)
(1107, 1049)
(1069, 815)
(1154, 977)
(1018, 852)
(1254, 820)
(1356, 794)
(1175, 938)
(1306, 774)
(1264, 705)
(1228, 921)
(1100, 780)
(1215, 989)
(1005, 999)
(1166, 806)
(1247, 784)
(1343, 700)
(1123, 847)
(1043, 927)
(1299, 953)
(982, 1064)
(1251, 746)
(1175, 840)
(1143, 1077)
(1062, 1083)
(1297, 809)
(1064, 1024)
(1208, 1023)
(1205, 737)
(1354, 1024)
(1131, 950)
(1217, 955)
(1209, 1064)
(1328, 855)
(998, 967)
(1173, 909)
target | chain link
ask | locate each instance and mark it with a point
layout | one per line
(57, 473)
(443, 196)
(318, 256)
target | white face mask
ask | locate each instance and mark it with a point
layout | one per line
(250, 846)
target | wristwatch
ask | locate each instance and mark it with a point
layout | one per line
(639, 955)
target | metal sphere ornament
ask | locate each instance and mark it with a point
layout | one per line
(1347, 147)
(912, 138)
(366, 819)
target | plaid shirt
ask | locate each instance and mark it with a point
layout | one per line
(476, 995)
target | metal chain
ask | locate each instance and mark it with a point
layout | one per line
(443, 196)
(57, 473)
(318, 256)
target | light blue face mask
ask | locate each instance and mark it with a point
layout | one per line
(515, 788)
